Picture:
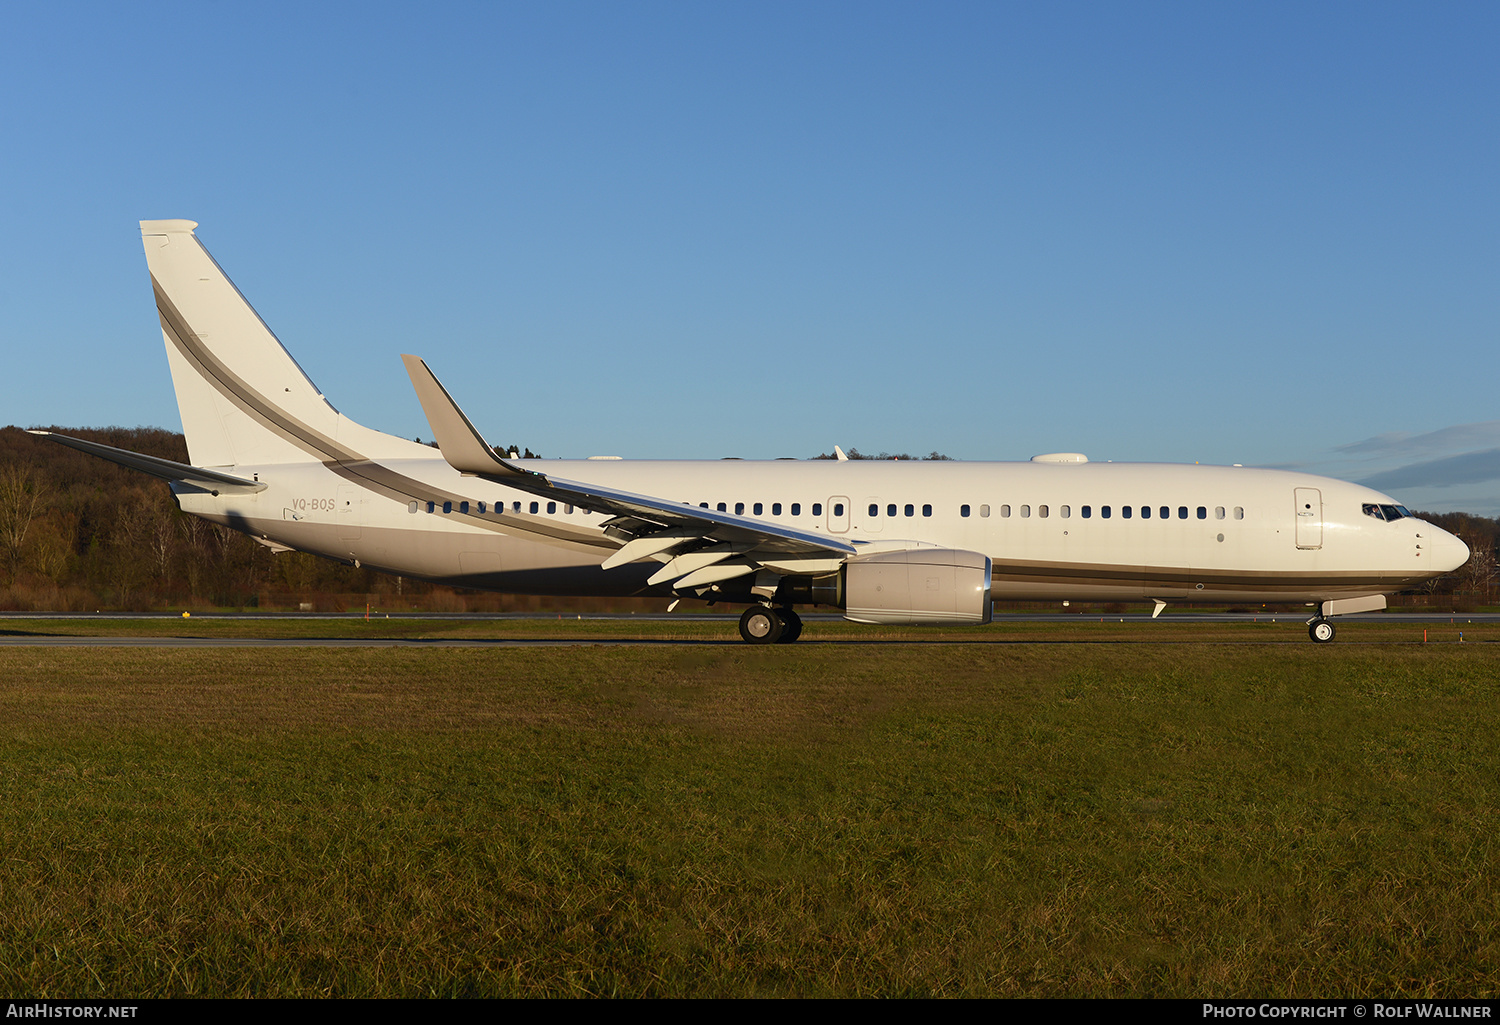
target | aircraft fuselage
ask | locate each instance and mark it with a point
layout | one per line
(1090, 531)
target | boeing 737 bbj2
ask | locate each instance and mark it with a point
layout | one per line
(886, 542)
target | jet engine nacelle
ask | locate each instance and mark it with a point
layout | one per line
(922, 585)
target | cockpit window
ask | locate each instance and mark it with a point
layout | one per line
(1373, 510)
(1390, 513)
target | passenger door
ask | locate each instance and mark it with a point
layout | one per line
(1309, 502)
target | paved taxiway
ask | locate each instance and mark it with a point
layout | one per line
(731, 635)
(1001, 618)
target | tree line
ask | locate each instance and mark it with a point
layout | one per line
(79, 533)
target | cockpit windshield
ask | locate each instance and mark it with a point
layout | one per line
(1390, 513)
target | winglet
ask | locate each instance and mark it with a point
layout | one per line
(838, 454)
(460, 443)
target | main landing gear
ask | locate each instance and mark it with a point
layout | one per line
(761, 624)
(1320, 630)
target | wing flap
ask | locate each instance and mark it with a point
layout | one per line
(717, 573)
(649, 545)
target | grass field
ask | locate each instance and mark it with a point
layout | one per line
(1179, 815)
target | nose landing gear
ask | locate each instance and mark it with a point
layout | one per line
(1320, 630)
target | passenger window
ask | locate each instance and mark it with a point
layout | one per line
(775, 508)
(1125, 511)
(481, 508)
(838, 508)
(463, 507)
(1182, 512)
(1086, 511)
(447, 507)
(1041, 511)
(926, 510)
(551, 508)
(534, 507)
(1218, 512)
(1145, 512)
(568, 509)
(702, 505)
(431, 507)
(1025, 512)
(984, 510)
(874, 510)
(1239, 512)
(817, 509)
(963, 511)
(911, 510)
(1005, 510)
(723, 507)
(1104, 512)
(796, 508)
(739, 508)
(1165, 512)
(1067, 511)
(411, 507)
(1203, 512)
(756, 509)
(890, 510)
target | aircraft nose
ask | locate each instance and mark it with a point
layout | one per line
(1448, 552)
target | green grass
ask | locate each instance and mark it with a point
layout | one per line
(838, 819)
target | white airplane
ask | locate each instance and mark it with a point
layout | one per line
(886, 542)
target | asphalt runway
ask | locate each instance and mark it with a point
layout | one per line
(1001, 618)
(322, 642)
(731, 634)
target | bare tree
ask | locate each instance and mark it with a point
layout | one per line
(160, 537)
(195, 537)
(49, 550)
(125, 570)
(21, 494)
(1477, 573)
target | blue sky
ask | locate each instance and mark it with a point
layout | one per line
(1255, 233)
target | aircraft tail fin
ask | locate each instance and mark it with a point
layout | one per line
(242, 397)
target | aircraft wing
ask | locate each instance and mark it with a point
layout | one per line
(701, 546)
(211, 481)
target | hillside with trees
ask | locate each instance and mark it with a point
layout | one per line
(78, 533)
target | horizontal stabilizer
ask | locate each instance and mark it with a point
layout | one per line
(209, 480)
